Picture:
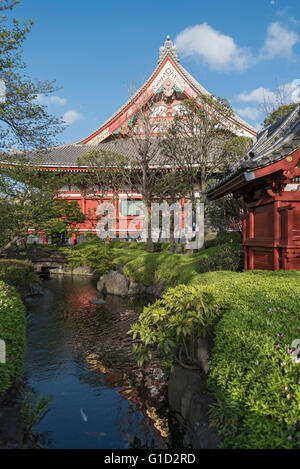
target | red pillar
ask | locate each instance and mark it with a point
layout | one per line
(276, 231)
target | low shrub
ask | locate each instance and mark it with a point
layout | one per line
(156, 267)
(119, 244)
(12, 332)
(180, 317)
(18, 273)
(95, 254)
(232, 237)
(254, 375)
(255, 370)
(230, 257)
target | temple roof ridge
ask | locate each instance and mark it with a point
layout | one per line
(168, 49)
(168, 67)
(274, 143)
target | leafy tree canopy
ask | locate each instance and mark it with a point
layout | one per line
(24, 123)
(29, 203)
(281, 111)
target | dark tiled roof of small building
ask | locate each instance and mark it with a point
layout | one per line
(274, 143)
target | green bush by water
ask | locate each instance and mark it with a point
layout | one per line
(12, 331)
(95, 254)
(255, 380)
(18, 273)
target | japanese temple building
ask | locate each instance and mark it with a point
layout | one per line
(268, 177)
(170, 83)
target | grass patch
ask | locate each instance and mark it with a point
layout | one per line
(150, 268)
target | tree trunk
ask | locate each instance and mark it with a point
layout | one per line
(172, 239)
(9, 244)
(150, 245)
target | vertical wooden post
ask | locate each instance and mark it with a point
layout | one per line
(251, 223)
(276, 235)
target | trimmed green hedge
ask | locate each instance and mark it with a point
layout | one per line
(253, 375)
(13, 332)
(18, 273)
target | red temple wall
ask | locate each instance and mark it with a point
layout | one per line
(272, 233)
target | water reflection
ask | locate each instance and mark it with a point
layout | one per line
(80, 353)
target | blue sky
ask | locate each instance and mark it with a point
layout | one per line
(98, 50)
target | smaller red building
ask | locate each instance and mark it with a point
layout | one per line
(268, 177)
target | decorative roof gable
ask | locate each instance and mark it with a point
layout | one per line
(168, 77)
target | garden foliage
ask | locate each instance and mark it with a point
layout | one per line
(180, 317)
(12, 331)
(18, 273)
(254, 374)
(95, 254)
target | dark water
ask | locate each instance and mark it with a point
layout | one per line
(80, 354)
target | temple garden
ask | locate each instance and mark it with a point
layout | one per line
(252, 318)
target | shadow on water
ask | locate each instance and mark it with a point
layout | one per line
(80, 353)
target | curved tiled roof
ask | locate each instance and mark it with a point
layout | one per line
(274, 143)
(66, 156)
(168, 50)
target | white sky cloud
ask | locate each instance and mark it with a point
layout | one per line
(221, 52)
(291, 91)
(249, 112)
(279, 42)
(256, 96)
(71, 116)
(43, 99)
(218, 50)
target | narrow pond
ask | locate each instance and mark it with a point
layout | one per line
(80, 354)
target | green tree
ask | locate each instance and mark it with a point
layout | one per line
(30, 204)
(145, 131)
(107, 172)
(281, 111)
(198, 142)
(24, 123)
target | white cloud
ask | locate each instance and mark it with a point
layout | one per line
(218, 50)
(221, 52)
(258, 95)
(279, 42)
(249, 112)
(292, 89)
(289, 92)
(71, 116)
(294, 20)
(43, 99)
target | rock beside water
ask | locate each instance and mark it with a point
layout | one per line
(116, 283)
(190, 399)
(97, 301)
